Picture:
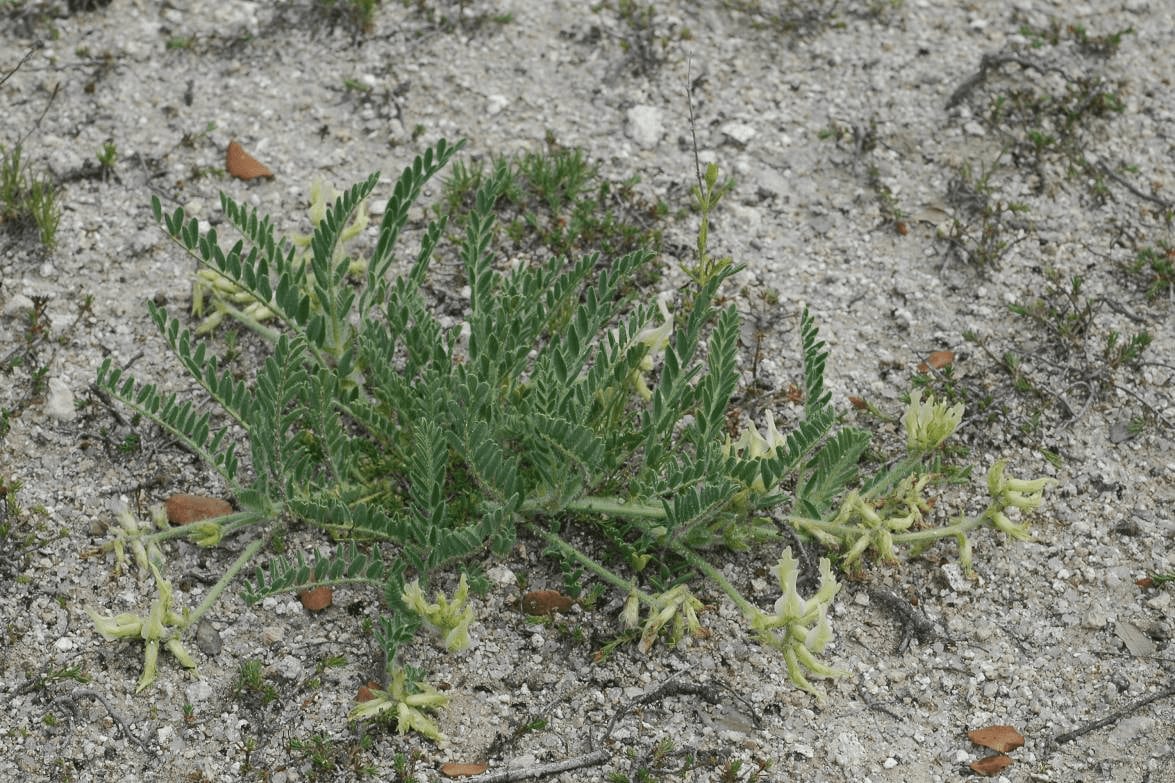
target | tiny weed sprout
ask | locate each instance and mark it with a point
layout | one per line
(554, 406)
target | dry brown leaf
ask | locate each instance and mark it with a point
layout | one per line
(545, 602)
(937, 360)
(859, 403)
(795, 393)
(185, 509)
(1001, 738)
(317, 599)
(242, 165)
(454, 770)
(365, 691)
(992, 765)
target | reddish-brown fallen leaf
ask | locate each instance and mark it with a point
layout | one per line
(365, 691)
(185, 509)
(859, 403)
(992, 765)
(937, 360)
(454, 770)
(316, 599)
(901, 227)
(795, 393)
(545, 602)
(1146, 583)
(242, 165)
(1001, 738)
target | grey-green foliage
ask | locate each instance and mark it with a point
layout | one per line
(425, 445)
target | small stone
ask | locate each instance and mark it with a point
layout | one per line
(17, 305)
(289, 668)
(890, 763)
(208, 639)
(644, 125)
(198, 692)
(954, 576)
(1095, 618)
(539, 603)
(738, 132)
(366, 692)
(848, 750)
(502, 576)
(495, 104)
(59, 403)
(185, 509)
(1135, 640)
(1120, 432)
(64, 644)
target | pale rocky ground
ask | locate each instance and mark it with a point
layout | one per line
(1052, 635)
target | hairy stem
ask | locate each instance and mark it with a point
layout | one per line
(748, 609)
(616, 581)
(617, 507)
(242, 560)
(846, 532)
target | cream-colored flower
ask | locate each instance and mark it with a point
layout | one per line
(929, 423)
(799, 628)
(677, 604)
(452, 617)
(160, 627)
(407, 706)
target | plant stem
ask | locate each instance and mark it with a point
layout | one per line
(230, 524)
(853, 531)
(617, 507)
(251, 323)
(748, 609)
(224, 581)
(626, 587)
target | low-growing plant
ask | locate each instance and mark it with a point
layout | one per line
(984, 226)
(360, 14)
(27, 199)
(107, 156)
(556, 410)
(1155, 266)
(556, 202)
(449, 15)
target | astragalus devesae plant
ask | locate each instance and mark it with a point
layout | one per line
(557, 410)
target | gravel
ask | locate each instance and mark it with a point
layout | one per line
(815, 116)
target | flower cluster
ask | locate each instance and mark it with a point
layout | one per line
(1026, 495)
(799, 628)
(161, 626)
(452, 617)
(677, 604)
(929, 423)
(752, 445)
(406, 703)
(873, 527)
(228, 298)
(656, 339)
